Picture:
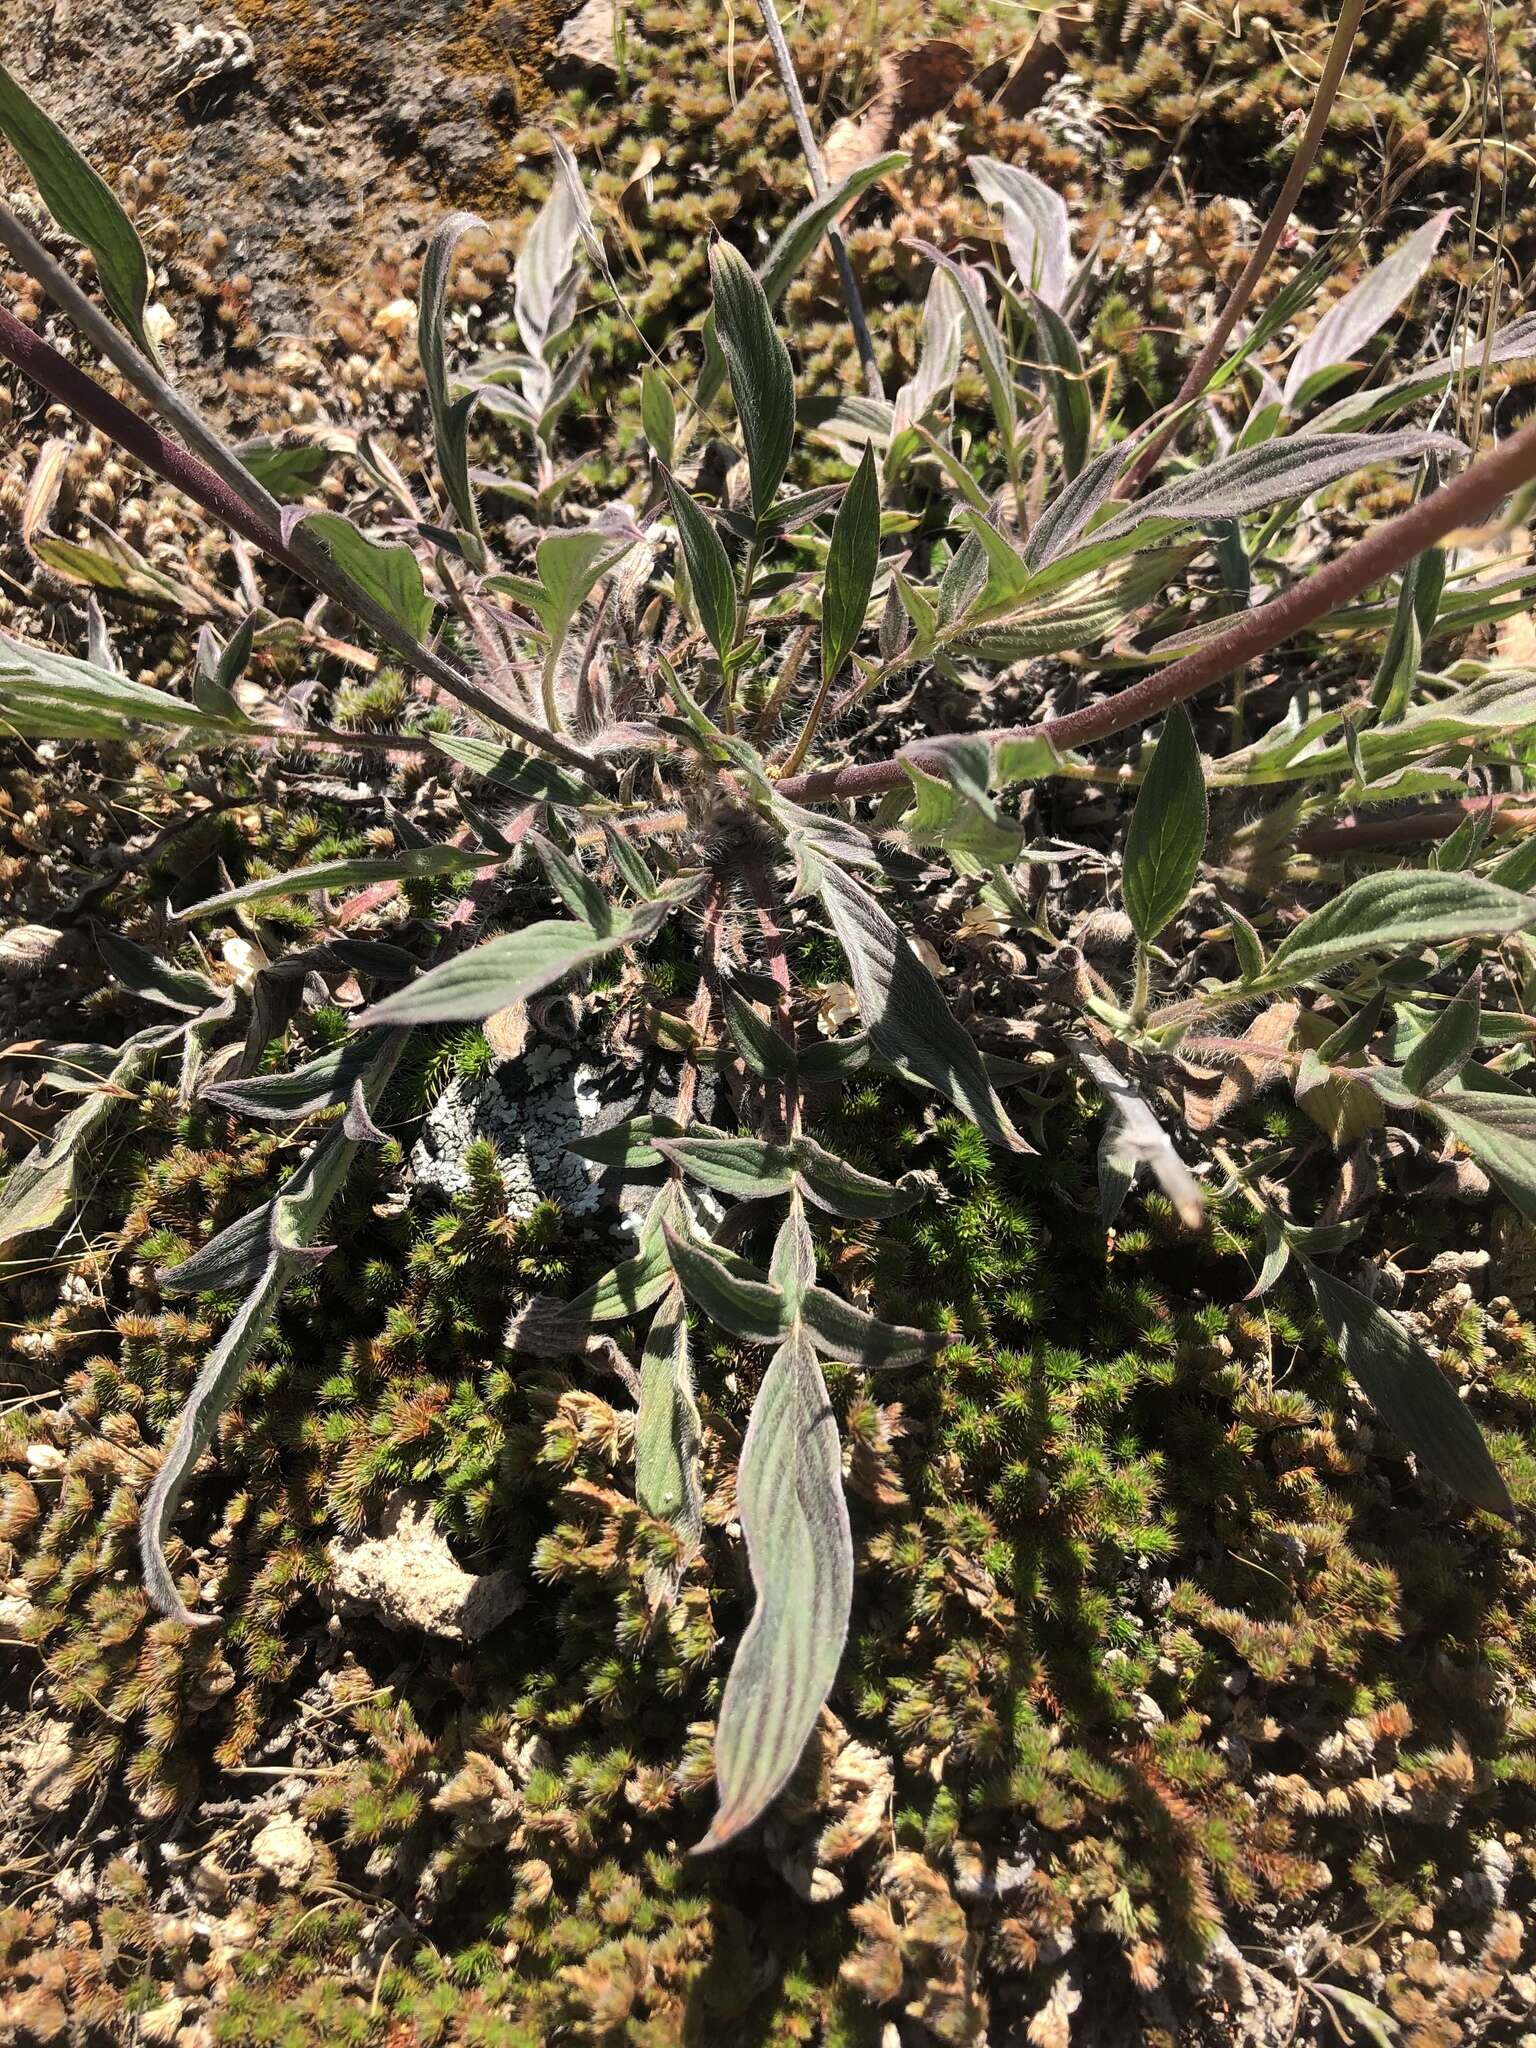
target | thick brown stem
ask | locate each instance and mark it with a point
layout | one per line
(1469, 500)
(1306, 154)
(1409, 828)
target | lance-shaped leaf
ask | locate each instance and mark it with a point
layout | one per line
(1134, 1140)
(510, 969)
(524, 775)
(1406, 909)
(762, 381)
(450, 416)
(1062, 366)
(577, 889)
(789, 1493)
(631, 1143)
(724, 1288)
(1448, 1044)
(320, 1083)
(667, 1437)
(82, 203)
(1244, 481)
(415, 864)
(1351, 322)
(938, 357)
(231, 1262)
(1100, 605)
(842, 1190)
(388, 573)
(997, 372)
(852, 558)
(1035, 225)
(153, 978)
(905, 1014)
(1166, 836)
(1409, 1392)
(746, 1169)
(708, 566)
(571, 565)
(841, 1331)
(44, 695)
(658, 415)
(954, 807)
(548, 269)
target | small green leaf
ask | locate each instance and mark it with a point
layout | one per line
(1065, 381)
(708, 566)
(1166, 836)
(631, 1143)
(852, 559)
(83, 205)
(536, 781)
(288, 469)
(1247, 944)
(905, 1014)
(450, 416)
(388, 573)
(577, 889)
(1410, 1392)
(1448, 1044)
(762, 381)
(658, 415)
(1408, 909)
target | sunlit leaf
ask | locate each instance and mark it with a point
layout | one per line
(762, 381)
(1166, 835)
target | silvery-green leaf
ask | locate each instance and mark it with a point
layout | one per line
(450, 416)
(1035, 225)
(547, 272)
(1100, 606)
(904, 1012)
(852, 558)
(44, 695)
(1247, 480)
(574, 886)
(839, 1330)
(1166, 836)
(1063, 371)
(997, 372)
(194, 1432)
(320, 1083)
(1351, 322)
(792, 1269)
(231, 1262)
(1247, 944)
(387, 572)
(525, 775)
(509, 969)
(938, 354)
(1070, 510)
(82, 203)
(708, 566)
(1006, 578)
(667, 1436)
(416, 863)
(1405, 909)
(764, 1050)
(153, 978)
(555, 1328)
(746, 1169)
(762, 381)
(718, 1286)
(797, 241)
(1361, 408)
(1448, 1044)
(1409, 1392)
(789, 1493)
(1398, 670)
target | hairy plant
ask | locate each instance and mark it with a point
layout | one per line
(637, 732)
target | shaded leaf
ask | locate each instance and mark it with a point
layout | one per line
(852, 559)
(1406, 908)
(1166, 836)
(1409, 1392)
(450, 416)
(416, 863)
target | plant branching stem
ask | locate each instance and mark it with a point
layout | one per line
(1200, 370)
(213, 477)
(1468, 500)
(811, 150)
